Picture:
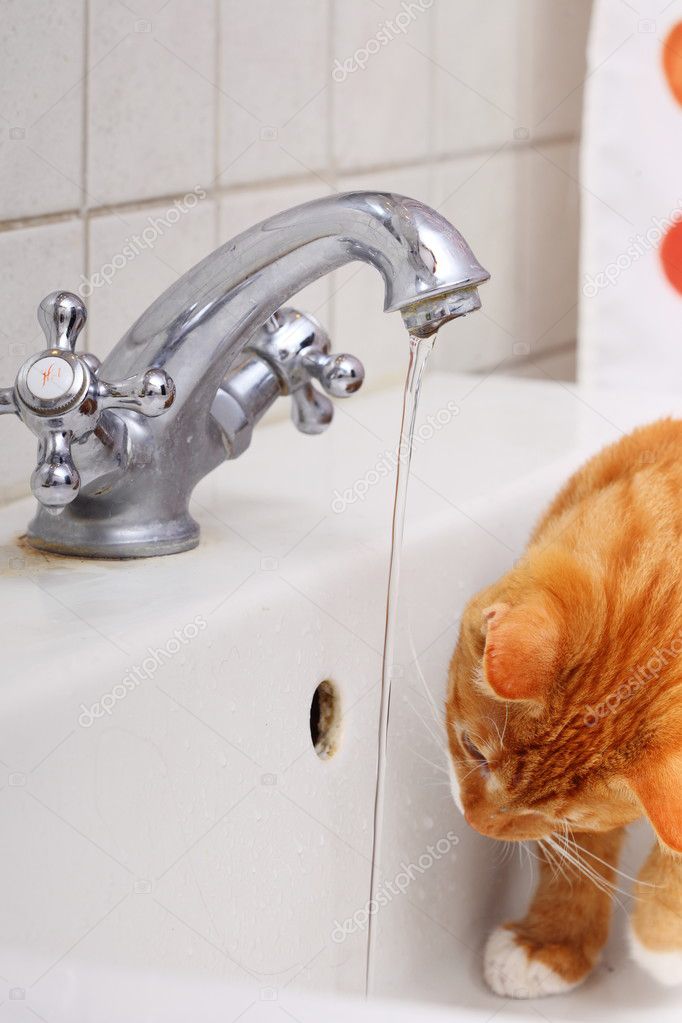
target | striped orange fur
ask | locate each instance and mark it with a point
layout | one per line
(564, 708)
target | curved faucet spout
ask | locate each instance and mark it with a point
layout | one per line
(196, 329)
(137, 477)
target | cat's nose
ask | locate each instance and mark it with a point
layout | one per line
(484, 820)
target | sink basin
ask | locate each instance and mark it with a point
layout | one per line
(171, 836)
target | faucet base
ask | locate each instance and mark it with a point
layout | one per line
(65, 535)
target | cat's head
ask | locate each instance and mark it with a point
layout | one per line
(565, 704)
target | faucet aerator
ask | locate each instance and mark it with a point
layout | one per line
(426, 317)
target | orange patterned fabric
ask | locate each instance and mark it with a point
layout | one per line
(672, 61)
(671, 255)
(630, 325)
(671, 246)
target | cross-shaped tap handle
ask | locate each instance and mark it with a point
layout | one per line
(59, 396)
(297, 348)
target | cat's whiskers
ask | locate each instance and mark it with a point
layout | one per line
(584, 868)
(437, 740)
(554, 862)
(533, 872)
(440, 722)
(572, 858)
(504, 730)
(497, 729)
(531, 852)
(549, 859)
(531, 856)
(436, 767)
(574, 864)
(476, 767)
(481, 743)
(437, 719)
(571, 841)
(503, 853)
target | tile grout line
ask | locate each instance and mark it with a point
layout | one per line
(432, 140)
(331, 169)
(429, 162)
(217, 112)
(84, 214)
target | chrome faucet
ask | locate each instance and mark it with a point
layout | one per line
(118, 461)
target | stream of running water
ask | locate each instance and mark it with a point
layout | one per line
(420, 349)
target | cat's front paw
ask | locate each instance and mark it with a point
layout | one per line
(516, 968)
(663, 965)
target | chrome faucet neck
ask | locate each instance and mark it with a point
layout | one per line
(197, 328)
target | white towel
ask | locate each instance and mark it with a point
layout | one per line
(630, 332)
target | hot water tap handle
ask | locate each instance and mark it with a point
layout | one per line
(297, 348)
(59, 396)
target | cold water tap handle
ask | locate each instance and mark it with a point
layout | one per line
(297, 348)
(59, 396)
(340, 375)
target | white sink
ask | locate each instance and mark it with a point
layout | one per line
(188, 848)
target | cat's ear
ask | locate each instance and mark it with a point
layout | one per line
(658, 786)
(521, 650)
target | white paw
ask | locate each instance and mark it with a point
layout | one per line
(665, 967)
(509, 971)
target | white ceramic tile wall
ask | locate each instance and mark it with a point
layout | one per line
(151, 99)
(164, 240)
(112, 113)
(274, 84)
(521, 206)
(381, 90)
(42, 57)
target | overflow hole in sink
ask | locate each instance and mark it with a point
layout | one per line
(325, 720)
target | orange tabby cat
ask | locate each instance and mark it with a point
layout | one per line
(564, 714)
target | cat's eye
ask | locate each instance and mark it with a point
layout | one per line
(473, 751)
